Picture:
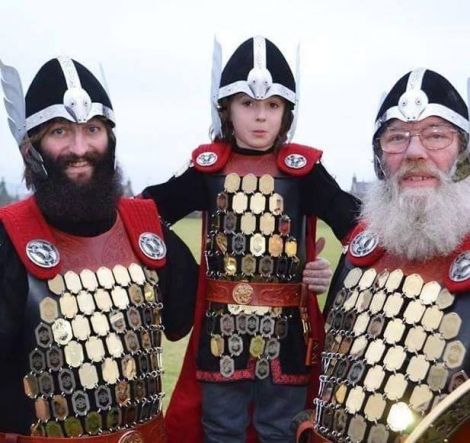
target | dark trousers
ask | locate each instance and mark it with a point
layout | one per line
(226, 410)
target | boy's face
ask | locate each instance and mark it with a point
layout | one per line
(256, 123)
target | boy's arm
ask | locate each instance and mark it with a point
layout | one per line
(179, 196)
(322, 196)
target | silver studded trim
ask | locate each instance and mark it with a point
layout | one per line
(295, 161)
(243, 86)
(77, 102)
(363, 244)
(56, 111)
(460, 268)
(206, 159)
(42, 253)
(152, 245)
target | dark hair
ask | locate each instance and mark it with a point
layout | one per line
(227, 127)
(35, 136)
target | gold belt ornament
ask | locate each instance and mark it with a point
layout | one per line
(132, 437)
(242, 293)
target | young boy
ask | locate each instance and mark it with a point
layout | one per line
(257, 334)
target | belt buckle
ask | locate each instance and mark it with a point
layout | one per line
(242, 293)
(132, 437)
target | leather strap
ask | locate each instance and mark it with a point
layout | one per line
(253, 294)
(150, 432)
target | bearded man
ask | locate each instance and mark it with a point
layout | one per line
(88, 279)
(396, 341)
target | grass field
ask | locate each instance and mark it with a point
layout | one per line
(189, 230)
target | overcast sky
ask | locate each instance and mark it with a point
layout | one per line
(157, 60)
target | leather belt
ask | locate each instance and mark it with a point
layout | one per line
(254, 294)
(150, 432)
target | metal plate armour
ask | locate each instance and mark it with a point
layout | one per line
(96, 361)
(395, 346)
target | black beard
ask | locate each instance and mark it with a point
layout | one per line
(71, 206)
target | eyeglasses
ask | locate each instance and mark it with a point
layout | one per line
(433, 138)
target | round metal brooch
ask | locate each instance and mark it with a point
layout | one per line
(295, 161)
(206, 159)
(42, 253)
(363, 244)
(460, 268)
(152, 245)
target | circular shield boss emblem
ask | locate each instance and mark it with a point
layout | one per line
(132, 437)
(242, 293)
(206, 159)
(295, 161)
(460, 268)
(363, 244)
(152, 245)
(42, 253)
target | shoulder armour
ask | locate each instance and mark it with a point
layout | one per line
(458, 277)
(32, 238)
(364, 247)
(211, 158)
(298, 160)
(35, 244)
(364, 251)
(144, 228)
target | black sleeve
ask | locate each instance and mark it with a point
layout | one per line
(180, 195)
(178, 283)
(322, 197)
(13, 294)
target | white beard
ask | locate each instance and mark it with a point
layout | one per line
(419, 224)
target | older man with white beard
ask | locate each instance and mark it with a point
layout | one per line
(419, 211)
(396, 341)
